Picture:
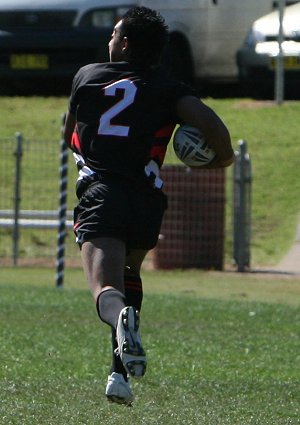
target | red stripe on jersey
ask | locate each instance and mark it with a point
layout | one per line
(160, 143)
(75, 142)
(165, 131)
(158, 153)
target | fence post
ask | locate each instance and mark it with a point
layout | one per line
(62, 212)
(17, 198)
(242, 207)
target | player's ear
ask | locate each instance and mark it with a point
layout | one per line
(125, 45)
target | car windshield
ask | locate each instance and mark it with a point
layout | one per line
(38, 19)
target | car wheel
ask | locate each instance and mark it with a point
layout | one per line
(178, 59)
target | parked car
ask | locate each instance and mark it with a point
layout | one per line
(51, 39)
(256, 58)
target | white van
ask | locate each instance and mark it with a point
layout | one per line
(210, 32)
(53, 38)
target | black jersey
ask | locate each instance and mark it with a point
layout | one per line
(124, 116)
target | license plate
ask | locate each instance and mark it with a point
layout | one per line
(289, 62)
(29, 61)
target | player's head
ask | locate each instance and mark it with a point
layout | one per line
(139, 38)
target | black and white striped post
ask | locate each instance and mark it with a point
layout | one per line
(62, 212)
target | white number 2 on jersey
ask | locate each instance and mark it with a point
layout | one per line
(105, 126)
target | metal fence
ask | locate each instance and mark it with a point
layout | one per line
(242, 179)
(30, 201)
(37, 197)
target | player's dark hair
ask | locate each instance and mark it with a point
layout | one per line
(147, 35)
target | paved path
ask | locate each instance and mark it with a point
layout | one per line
(291, 262)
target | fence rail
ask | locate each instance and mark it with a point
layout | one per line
(33, 219)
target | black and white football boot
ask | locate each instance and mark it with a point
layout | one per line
(129, 341)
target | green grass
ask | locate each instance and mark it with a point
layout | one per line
(271, 134)
(270, 131)
(223, 348)
(224, 355)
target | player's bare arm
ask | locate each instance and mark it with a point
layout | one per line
(194, 112)
(69, 128)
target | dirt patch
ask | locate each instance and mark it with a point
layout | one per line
(254, 104)
(258, 104)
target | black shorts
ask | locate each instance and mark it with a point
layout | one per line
(120, 209)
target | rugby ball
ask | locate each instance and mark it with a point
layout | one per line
(191, 148)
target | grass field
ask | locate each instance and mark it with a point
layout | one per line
(222, 348)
